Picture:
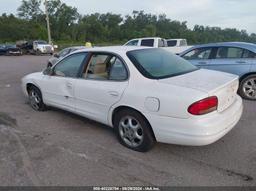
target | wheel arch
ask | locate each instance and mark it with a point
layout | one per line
(29, 85)
(124, 107)
(246, 75)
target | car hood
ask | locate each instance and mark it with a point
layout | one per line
(44, 45)
(202, 80)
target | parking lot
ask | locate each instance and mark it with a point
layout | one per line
(59, 148)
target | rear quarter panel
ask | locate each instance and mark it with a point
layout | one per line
(174, 100)
(253, 65)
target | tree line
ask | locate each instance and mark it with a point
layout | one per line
(67, 25)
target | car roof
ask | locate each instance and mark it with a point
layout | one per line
(77, 47)
(245, 45)
(175, 39)
(74, 47)
(146, 38)
(115, 49)
(40, 41)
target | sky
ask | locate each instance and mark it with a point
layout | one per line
(240, 14)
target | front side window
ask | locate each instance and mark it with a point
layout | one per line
(105, 67)
(159, 63)
(229, 52)
(132, 43)
(198, 54)
(147, 42)
(70, 66)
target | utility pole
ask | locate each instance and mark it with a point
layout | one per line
(48, 22)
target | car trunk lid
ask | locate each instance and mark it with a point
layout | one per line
(220, 84)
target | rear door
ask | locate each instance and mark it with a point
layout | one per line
(200, 57)
(101, 85)
(232, 60)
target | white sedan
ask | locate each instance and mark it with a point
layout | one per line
(145, 94)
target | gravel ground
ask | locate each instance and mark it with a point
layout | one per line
(59, 148)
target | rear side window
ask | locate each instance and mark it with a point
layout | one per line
(198, 54)
(147, 42)
(118, 70)
(248, 54)
(105, 67)
(171, 43)
(229, 52)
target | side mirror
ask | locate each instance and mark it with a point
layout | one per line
(56, 55)
(48, 71)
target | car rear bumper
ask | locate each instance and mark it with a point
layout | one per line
(197, 130)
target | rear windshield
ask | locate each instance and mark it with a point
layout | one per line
(157, 63)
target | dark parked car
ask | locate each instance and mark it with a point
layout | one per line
(10, 50)
(2, 50)
(233, 57)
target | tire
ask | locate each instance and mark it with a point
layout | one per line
(38, 52)
(247, 88)
(23, 52)
(35, 99)
(133, 130)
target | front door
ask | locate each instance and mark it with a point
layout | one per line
(200, 57)
(58, 88)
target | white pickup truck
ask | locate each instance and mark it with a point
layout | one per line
(35, 47)
(175, 46)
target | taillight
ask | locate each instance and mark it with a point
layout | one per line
(204, 106)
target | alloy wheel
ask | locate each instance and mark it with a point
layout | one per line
(249, 88)
(34, 100)
(131, 131)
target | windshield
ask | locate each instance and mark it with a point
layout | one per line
(10, 46)
(157, 63)
(41, 42)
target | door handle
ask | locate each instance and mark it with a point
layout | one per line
(113, 93)
(240, 62)
(202, 62)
